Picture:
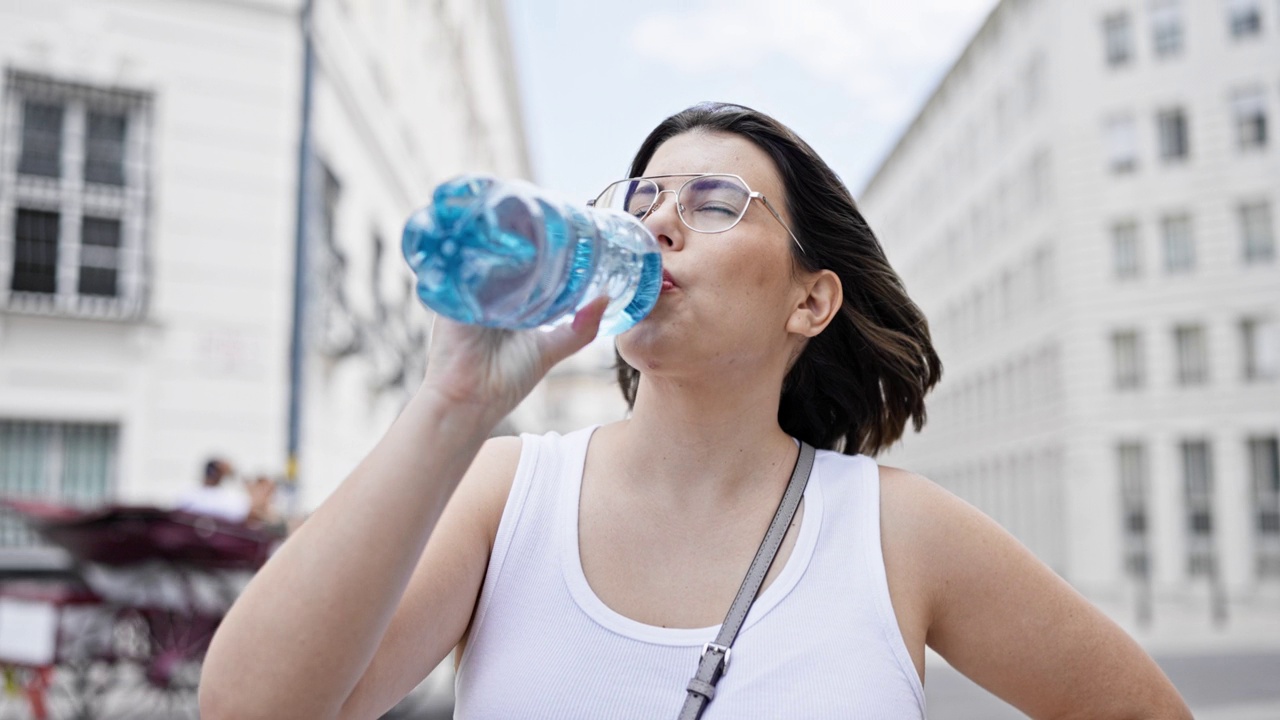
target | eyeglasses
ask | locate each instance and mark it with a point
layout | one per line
(705, 203)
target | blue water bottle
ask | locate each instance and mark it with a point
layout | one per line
(503, 254)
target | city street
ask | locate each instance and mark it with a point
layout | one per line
(1242, 686)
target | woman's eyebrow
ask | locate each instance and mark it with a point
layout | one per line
(662, 179)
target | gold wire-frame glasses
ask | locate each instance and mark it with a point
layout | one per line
(619, 195)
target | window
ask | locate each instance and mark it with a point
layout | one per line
(1244, 18)
(1126, 351)
(35, 251)
(76, 198)
(41, 150)
(1171, 126)
(1118, 39)
(1264, 467)
(1260, 341)
(1040, 179)
(1179, 244)
(1198, 485)
(1166, 27)
(1125, 250)
(72, 463)
(1256, 233)
(1192, 353)
(1122, 144)
(99, 256)
(1250, 109)
(1131, 458)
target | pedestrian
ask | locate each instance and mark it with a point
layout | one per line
(219, 495)
(588, 575)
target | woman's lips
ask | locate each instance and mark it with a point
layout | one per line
(668, 282)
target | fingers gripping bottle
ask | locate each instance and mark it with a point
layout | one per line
(502, 254)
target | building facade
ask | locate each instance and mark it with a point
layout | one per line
(148, 206)
(1085, 209)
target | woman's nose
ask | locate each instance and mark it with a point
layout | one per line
(664, 222)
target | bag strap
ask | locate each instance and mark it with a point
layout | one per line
(715, 655)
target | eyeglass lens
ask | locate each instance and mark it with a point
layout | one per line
(710, 203)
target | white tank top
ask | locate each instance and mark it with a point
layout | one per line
(821, 641)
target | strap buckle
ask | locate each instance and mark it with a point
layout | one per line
(724, 651)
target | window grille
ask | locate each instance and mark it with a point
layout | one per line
(1166, 27)
(1179, 243)
(1192, 354)
(1125, 250)
(1131, 457)
(1127, 355)
(1118, 39)
(73, 198)
(1264, 467)
(69, 463)
(1198, 485)
(1175, 142)
(1257, 233)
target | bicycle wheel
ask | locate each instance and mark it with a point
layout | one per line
(160, 653)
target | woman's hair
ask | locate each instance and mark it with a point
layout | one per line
(857, 383)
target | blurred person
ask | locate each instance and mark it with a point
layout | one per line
(219, 495)
(582, 575)
(264, 506)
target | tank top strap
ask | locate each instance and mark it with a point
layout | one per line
(535, 505)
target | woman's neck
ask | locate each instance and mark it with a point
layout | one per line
(709, 443)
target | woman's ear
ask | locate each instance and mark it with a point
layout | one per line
(822, 299)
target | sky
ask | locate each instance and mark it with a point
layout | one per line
(847, 75)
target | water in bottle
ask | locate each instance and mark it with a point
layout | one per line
(504, 254)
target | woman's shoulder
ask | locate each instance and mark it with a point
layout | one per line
(917, 513)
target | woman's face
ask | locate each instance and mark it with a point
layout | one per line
(733, 291)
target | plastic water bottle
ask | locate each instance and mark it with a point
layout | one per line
(504, 254)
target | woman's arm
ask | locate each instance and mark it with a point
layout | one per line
(308, 637)
(1008, 622)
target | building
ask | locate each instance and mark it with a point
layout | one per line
(149, 157)
(1085, 208)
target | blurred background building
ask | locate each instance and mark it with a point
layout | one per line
(1085, 209)
(149, 199)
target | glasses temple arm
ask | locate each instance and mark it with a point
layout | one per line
(769, 206)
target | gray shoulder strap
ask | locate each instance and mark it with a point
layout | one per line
(715, 655)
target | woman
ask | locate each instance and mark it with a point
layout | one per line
(580, 576)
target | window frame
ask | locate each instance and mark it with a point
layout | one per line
(1264, 476)
(1260, 348)
(1168, 29)
(1127, 362)
(1178, 243)
(1191, 354)
(1126, 249)
(44, 450)
(1117, 39)
(76, 199)
(1197, 455)
(1121, 138)
(1236, 10)
(1249, 118)
(1173, 135)
(1135, 490)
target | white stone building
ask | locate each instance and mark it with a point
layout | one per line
(148, 193)
(1086, 209)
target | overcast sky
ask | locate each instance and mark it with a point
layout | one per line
(847, 75)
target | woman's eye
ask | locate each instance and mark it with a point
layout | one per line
(716, 208)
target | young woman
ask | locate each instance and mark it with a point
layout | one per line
(581, 575)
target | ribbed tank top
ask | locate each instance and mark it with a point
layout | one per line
(821, 641)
